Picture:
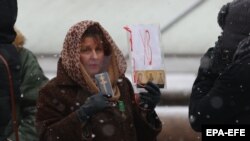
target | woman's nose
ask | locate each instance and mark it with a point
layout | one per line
(94, 54)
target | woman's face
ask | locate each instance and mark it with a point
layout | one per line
(92, 55)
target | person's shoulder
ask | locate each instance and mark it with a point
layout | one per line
(26, 54)
(49, 86)
(125, 80)
(26, 51)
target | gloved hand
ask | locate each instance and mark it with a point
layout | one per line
(149, 99)
(92, 105)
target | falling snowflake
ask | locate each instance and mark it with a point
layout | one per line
(108, 130)
(207, 116)
(192, 118)
(93, 135)
(216, 102)
(18, 67)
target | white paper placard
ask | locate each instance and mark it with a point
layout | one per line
(145, 46)
(145, 54)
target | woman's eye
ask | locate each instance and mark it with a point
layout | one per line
(99, 49)
(85, 49)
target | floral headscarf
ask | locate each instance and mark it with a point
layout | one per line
(71, 57)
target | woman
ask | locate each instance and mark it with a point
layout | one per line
(71, 106)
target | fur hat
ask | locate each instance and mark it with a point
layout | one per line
(19, 40)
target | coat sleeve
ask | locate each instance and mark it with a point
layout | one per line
(203, 83)
(206, 75)
(219, 101)
(148, 124)
(52, 121)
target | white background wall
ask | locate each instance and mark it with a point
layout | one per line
(45, 22)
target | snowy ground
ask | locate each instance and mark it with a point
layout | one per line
(172, 110)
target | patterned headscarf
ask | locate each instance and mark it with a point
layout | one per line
(71, 58)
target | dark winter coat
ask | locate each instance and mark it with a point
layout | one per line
(11, 56)
(8, 13)
(225, 100)
(56, 117)
(220, 93)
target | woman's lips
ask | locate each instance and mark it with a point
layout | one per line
(93, 65)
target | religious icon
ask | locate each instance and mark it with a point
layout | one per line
(161, 78)
(139, 78)
(104, 83)
(150, 76)
(156, 76)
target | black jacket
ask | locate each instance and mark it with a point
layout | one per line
(221, 91)
(221, 98)
(8, 13)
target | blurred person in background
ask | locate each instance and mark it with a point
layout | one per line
(221, 91)
(71, 106)
(32, 79)
(9, 69)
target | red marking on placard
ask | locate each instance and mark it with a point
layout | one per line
(133, 62)
(130, 37)
(147, 47)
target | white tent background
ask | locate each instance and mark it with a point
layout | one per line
(45, 22)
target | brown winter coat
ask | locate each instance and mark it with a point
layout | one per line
(57, 120)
